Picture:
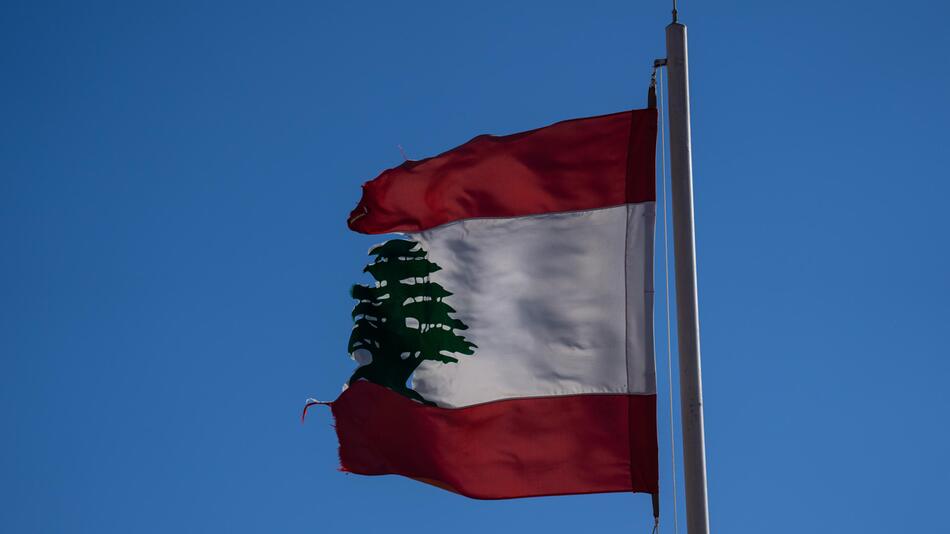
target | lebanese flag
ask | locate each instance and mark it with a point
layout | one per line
(520, 301)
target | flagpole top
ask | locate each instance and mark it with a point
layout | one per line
(674, 11)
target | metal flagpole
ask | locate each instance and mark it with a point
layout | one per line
(687, 311)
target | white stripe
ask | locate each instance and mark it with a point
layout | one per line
(558, 304)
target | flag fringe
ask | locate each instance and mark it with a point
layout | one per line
(311, 402)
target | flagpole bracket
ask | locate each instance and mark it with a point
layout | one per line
(651, 93)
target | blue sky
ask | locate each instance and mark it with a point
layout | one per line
(174, 183)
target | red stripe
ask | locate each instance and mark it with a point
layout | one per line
(573, 165)
(512, 448)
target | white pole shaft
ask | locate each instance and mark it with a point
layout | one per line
(687, 308)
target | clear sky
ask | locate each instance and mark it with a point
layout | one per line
(174, 183)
